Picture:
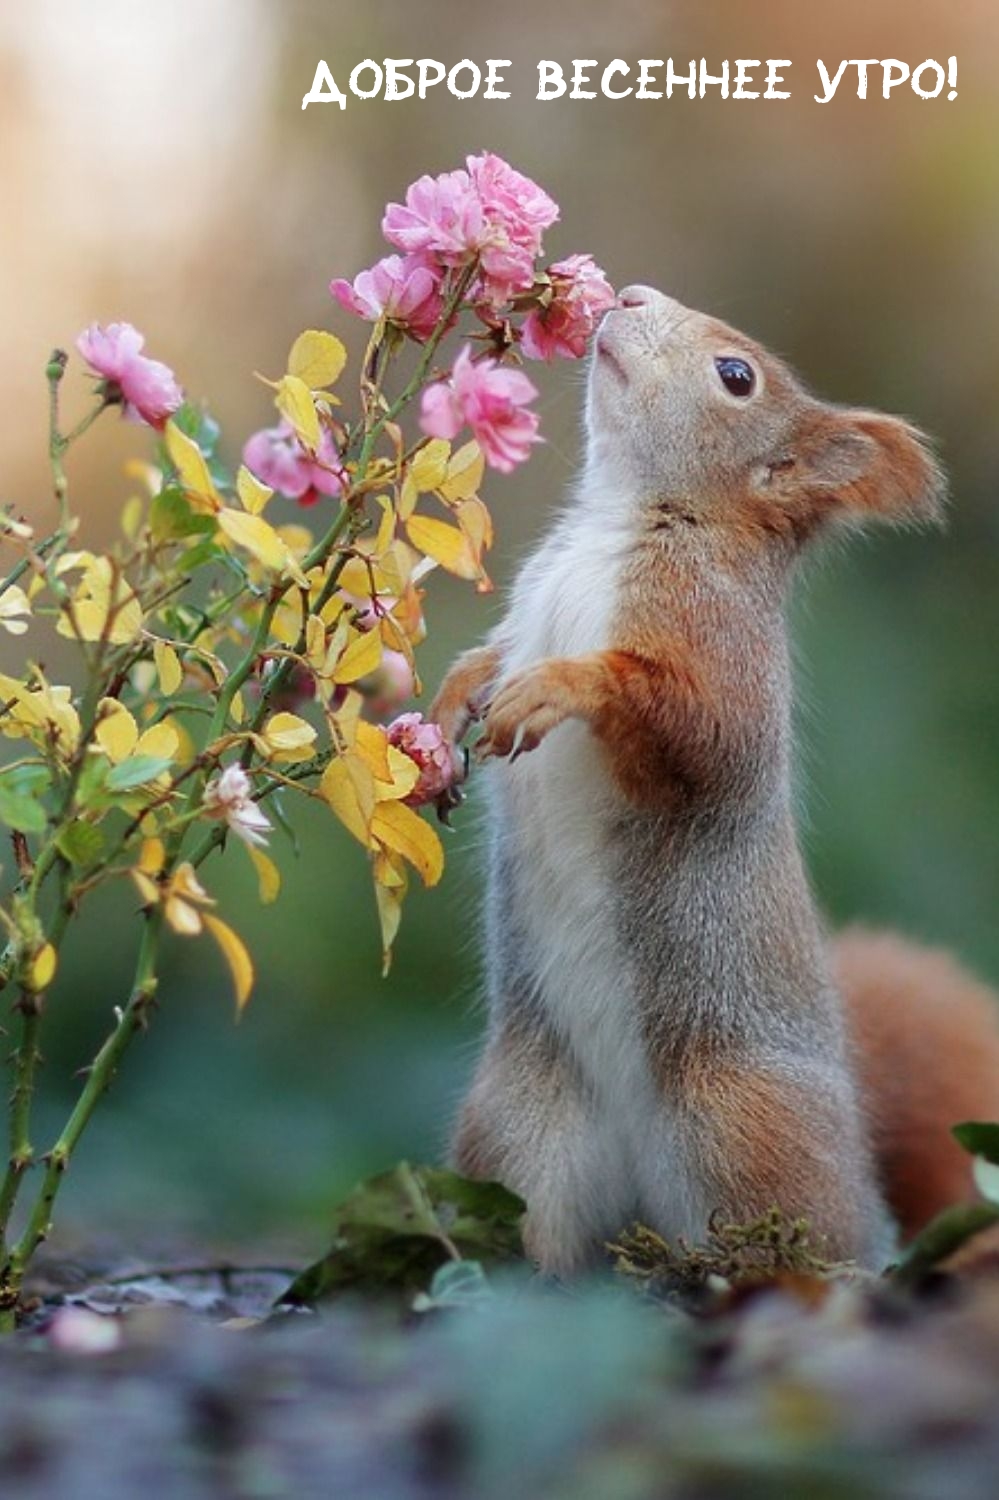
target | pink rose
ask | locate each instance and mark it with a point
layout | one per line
(405, 290)
(424, 742)
(278, 459)
(147, 389)
(490, 211)
(489, 397)
(581, 294)
(516, 213)
(442, 215)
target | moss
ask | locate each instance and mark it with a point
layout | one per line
(763, 1249)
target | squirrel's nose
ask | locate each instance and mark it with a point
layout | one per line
(640, 296)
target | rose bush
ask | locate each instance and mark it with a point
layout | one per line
(231, 660)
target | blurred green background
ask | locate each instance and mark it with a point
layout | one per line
(158, 167)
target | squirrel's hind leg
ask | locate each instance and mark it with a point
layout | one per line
(529, 1123)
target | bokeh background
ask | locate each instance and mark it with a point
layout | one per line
(157, 166)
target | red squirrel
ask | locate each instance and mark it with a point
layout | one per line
(671, 1030)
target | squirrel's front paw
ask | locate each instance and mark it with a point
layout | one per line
(526, 707)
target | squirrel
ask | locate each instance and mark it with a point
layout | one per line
(672, 1032)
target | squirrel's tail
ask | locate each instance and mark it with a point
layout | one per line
(926, 1042)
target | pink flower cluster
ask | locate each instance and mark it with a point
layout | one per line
(424, 743)
(581, 294)
(490, 211)
(278, 459)
(491, 399)
(147, 389)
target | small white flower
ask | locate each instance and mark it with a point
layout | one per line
(14, 604)
(228, 795)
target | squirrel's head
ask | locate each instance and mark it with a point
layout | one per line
(686, 410)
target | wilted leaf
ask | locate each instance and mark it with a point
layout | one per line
(317, 359)
(396, 1230)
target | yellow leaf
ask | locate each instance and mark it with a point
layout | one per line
(389, 917)
(464, 473)
(373, 748)
(288, 737)
(189, 461)
(43, 968)
(268, 874)
(408, 496)
(348, 786)
(317, 359)
(152, 856)
(237, 708)
(386, 526)
(398, 827)
(168, 667)
(345, 722)
(361, 657)
(404, 773)
(162, 741)
(429, 467)
(315, 640)
(261, 540)
(253, 494)
(294, 402)
(148, 888)
(444, 543)
(236, 956)
(117, 732)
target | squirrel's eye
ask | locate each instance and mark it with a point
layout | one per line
(738, 377)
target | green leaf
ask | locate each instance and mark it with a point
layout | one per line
(171, 516)
(196, 423)
(461, 1283)
(980, 1138)
(29, 781)
(81, 843)
(20, 811)
(135, 771)
(941, 1238)
(396, 1230)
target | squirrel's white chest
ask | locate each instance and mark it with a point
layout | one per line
(553, 808)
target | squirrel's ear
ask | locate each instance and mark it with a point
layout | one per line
(868, 464)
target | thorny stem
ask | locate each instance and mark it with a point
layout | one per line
(26, 1059)
(129, 1021)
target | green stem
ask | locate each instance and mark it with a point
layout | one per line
(130, 1021)
(25, 1062)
